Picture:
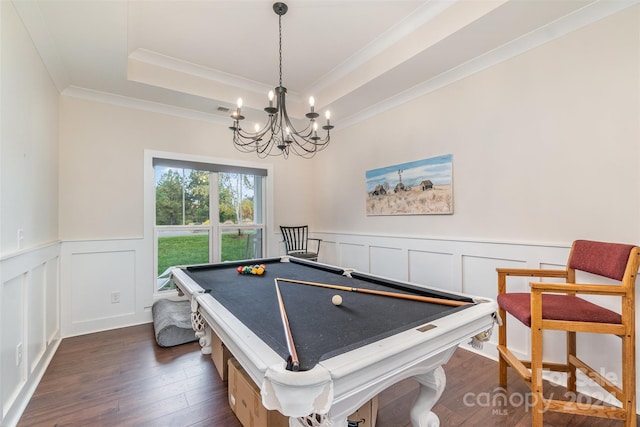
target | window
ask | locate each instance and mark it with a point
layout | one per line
(206, 213)
(240, 216)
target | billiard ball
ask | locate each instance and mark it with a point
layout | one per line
(336, 300)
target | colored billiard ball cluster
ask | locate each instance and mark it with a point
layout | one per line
(252, 269)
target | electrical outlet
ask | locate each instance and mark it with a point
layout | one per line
(115, 297)
(18, 354)
(20, 237)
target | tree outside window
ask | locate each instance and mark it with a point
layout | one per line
(183, 217)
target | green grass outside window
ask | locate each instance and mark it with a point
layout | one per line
(194, 249)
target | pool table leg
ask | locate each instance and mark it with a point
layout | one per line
(201, 328)
(431, 387)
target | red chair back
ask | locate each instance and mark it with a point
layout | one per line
(604, 259)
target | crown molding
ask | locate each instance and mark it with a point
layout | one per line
(418, 18)
(152, 68)
(170, 63)
(155, 107)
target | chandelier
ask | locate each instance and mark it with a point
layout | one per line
(278, 136)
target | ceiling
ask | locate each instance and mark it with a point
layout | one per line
(196, 57)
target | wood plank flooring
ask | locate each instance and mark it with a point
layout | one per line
(122, 378)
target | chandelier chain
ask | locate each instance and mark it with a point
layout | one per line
(280, 44)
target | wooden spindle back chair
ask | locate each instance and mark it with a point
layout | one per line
(296, 241)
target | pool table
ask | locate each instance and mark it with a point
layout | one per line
(348, 353)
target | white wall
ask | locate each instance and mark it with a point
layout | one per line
(102, 158)
(545, 147)
(29, 172)
(29, 266)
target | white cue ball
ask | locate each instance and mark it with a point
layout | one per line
(336, 300)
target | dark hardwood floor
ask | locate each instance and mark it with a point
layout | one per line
(122, 378)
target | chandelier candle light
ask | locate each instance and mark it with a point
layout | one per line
(279, 132)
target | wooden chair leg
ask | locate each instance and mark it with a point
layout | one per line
(502, 341)
(629, 380)
(537, 409)
(571, 351)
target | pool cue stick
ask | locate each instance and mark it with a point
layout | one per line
(295, 363)
(381, 293)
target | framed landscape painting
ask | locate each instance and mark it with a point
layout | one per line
(423, 187)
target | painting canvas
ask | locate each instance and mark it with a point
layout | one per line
(422, 187)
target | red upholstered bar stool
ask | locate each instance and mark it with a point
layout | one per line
(557, 306)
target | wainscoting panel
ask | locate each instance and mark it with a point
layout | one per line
(106, 284)
(433, 269)
(102, 285)
(37, 342)
(388, 262)
(330, 249)
(52, 300)
(29, 324)
(13, 322)
(479, 275)
(352, 255)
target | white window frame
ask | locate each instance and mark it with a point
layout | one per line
(150, 228)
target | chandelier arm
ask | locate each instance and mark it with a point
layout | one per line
(284, 116)
(301, 139)
(304, 133)
(244, 139)
(308, 146)
(274, 140)
(259, 134)
(262, 149)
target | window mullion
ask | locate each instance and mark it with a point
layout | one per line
(214, 215)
